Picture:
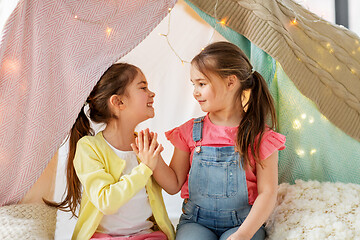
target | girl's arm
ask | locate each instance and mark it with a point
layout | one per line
(267, 185)
(170, 178)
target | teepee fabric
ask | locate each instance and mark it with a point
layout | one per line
(323, 60)
(52, 54)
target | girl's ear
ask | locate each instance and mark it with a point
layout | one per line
(231, 81)
(117, 101)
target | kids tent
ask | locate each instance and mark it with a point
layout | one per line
(52, 54)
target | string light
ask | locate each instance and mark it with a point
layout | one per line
(108, 30)
(168, 41)
(337, 67)
(311, 120)
(313, 151)
(300, 152)
(294, 21)
(296, 124)
(303, 116)
(11, 66)
(222, 23)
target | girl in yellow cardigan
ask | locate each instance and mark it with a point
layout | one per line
(119, 198)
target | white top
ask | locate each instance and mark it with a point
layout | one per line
(131, 218)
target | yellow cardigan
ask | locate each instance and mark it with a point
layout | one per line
(99, 170)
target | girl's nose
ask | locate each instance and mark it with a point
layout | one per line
(195, 92)
(152, 94)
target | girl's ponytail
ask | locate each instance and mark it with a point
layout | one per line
(80, 129)
(253, 123)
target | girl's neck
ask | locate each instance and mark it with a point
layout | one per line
(229, 119)
(119, 135)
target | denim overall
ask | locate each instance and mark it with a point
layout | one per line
(218, 197)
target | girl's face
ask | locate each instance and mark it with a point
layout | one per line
(139, 99)
(211, 95)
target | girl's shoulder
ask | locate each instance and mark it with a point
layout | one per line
(270, 142)
(97, 139)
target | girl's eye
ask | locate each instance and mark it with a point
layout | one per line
(202, 84)
(144, 88)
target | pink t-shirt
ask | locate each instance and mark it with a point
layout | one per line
(220, 136)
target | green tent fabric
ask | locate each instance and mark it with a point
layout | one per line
(315, 148)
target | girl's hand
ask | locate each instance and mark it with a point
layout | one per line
(147, 148)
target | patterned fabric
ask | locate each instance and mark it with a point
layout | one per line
(52, 54)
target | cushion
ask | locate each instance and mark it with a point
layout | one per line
(314, 210)
(27, 221)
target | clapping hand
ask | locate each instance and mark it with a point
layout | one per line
(147, 148)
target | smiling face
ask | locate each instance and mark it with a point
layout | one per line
(139, 99)
(210, 94)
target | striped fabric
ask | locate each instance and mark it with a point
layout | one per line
(52, 54)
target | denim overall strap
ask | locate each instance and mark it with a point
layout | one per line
(197, 128)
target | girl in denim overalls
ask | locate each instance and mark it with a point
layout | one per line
(225, 163)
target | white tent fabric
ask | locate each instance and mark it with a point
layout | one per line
(170, 80)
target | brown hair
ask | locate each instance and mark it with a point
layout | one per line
(113, 81)
(225, 59)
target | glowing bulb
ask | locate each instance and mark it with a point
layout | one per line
(108, 30)
(170, 9)
(352, 71)
(299, 59)
(75, 16)
(337, 67)
(202, 49)
(300, 152)
(311, 120)
(294, 22)
(331, 50)
(223, 22)
(312, 151)
(182, 62)
(353, 52)
(328, 45)
(303, 116)
(11, 65)
(296, 124)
